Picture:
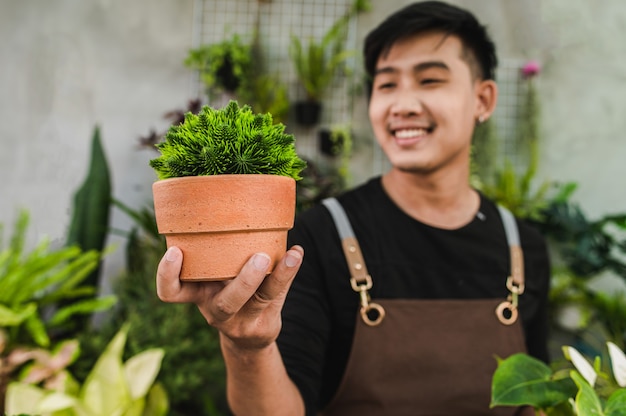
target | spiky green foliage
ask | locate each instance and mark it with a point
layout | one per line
(230, 140)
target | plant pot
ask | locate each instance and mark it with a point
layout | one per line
(226, 77)
(220, 221)
(308, 113)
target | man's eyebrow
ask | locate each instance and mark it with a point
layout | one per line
(423, 66)
(430, 64)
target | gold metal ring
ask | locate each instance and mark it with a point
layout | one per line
(380, 311)
(504, 306)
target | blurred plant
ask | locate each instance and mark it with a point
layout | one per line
(585, 390)
(192, 372)
(42, 294)
(113, 387)
(223, 66)
(267, 95)
(506, 185)
(318, 182)
(90, 211)
(317, 64)
(337, 141)
(40, 279)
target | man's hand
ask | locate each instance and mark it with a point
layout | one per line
(246, 310)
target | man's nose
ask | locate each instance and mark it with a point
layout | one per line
(407, 103)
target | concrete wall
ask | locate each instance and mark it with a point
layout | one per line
(68, 65)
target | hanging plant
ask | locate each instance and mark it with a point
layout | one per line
(223, 66)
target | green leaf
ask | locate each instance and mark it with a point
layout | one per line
(141, 371)
(587, 401)
(37, 330)
(17, 315)
(616, 404)
(524, 380)
(136, 408)
(91, 205)
(23, 398)
(105, 391)
(84, 307)
(55, 402)
(157, 403)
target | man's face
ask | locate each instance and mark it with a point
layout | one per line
(425, 103)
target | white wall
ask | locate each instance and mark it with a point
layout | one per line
(69, 64)
(584, 101)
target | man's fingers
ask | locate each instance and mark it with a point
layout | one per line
(168, 284)
(278, 283)
(243, 287)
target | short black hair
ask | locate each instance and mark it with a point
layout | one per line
(433, 16)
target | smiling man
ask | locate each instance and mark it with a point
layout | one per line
(413, 282)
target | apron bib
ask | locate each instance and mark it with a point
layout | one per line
(419, 357)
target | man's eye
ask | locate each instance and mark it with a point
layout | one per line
(431, 81)
(386, 85)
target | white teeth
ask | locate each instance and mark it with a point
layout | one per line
(405, 134)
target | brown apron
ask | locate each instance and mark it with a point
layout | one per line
(426, 357)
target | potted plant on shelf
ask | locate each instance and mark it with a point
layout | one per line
(226, 189)
(317, 64)
(224, 66)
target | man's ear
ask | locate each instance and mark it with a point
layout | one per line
(486, 99)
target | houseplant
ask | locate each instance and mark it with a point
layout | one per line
(224, 66)
(42, 293)
(113, 387)
(317, 64)
(585, 390)
(226, 189)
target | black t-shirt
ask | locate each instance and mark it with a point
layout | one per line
(406, 259)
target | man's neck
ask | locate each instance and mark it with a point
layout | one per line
(445, 201)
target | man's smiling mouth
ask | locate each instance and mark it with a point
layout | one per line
(411, 133)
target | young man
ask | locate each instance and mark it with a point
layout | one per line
(401, 306)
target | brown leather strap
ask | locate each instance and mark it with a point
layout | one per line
(360, 280)
(351, 249)
(355, 260)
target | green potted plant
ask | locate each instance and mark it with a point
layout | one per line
(224, 66)
(585, 390)
(317, 64)
(226, 189)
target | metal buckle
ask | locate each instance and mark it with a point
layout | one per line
(366, 305)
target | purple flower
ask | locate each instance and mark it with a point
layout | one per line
(530, 69)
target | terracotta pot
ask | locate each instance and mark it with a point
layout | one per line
(220, 221)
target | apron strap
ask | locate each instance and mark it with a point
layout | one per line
(507, 310)
(360, 279)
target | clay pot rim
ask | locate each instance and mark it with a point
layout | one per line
(225, 177)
